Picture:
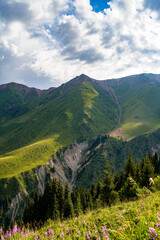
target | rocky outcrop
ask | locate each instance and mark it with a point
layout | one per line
(63, 165)
(17, 205)
(67, 161)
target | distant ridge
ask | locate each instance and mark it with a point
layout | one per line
(23, 89)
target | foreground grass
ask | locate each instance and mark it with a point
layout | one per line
(132, 220)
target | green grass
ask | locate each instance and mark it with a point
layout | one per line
(26, 158)
(125, 221)
(78, 110)
(139, 100)
(72, 112)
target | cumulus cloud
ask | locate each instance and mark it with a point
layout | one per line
(14, 11)
(45, 43)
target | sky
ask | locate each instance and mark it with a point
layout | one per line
(47, 43)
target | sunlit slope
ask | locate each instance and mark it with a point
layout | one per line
(26, 158)
(139, 98)
(78, 110)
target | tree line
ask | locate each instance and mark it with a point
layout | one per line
(58, 202)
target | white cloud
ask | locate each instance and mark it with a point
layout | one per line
(57, 40)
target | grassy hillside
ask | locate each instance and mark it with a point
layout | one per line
(137, 220)
(37, 123)
(72, 112)
(138, 98)
(116, 151)
(26, 158)
(79, 111)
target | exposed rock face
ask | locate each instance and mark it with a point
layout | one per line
(67, 161)
(17, 205)
(41, 174)
(63, 165)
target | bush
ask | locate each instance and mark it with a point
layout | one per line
(129, 190)
(143, 192)
(157, 183)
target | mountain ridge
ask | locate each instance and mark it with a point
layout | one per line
(83, 77)
(43, 134)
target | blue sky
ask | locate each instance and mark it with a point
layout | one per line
(99, 5)
(47, 43)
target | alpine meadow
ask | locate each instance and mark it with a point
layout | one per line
(79, 119)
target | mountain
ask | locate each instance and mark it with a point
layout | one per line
(70, 131)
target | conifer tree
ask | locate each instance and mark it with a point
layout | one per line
(47, 202)
(55, 208)
(108, 193)
(60, 198)
(117, 182)
(147, 171)
(89, 205)
(83, 196)
(36, 210)
(156, 163)
(129, 190)
(99, 186)
(138, 176)
(28, 212)
(68, 205)
(130, 169)
(77, 204)
(93, 192)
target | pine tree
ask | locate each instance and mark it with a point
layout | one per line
(99, 186)
(108, 194)
(156, 163)
(28, 212)
(89, 201)
(77, 204)
(129, 190)
(83, 196)
(68, 205)
(147, 171)
(138, 176)
(93, 192)
(117, 182)
(55, 208)
(36, 210)
(130, 169)
(47, 200)
(60, 198)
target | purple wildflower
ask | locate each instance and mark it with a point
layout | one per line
(50, 232)
(153, 233)
(104, 228)
(62, 234)
(158, 225)
(36, 237)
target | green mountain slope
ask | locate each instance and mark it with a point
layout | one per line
(139, 98)
(78, 110)
(64, 132)
(116, 152)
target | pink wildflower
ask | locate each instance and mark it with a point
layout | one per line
(153, 233)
